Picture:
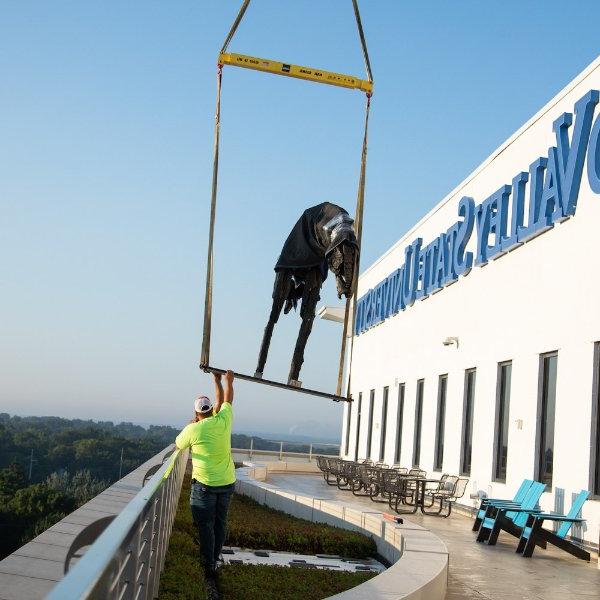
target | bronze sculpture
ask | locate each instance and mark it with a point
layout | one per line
(323, 238)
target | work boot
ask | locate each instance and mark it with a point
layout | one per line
(210, 583)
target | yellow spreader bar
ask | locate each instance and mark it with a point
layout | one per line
(289, 70)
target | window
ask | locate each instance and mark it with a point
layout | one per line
(438, 459)
(501, 426)
(348, 420)
(384, 409)
(595, 445)
(358, 426)
(399, 418)
(418, 422)
(467, 424)
(370, 434)
(545, 424)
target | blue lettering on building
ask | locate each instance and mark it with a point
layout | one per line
(554, 182)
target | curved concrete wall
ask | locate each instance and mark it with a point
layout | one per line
(419, 558)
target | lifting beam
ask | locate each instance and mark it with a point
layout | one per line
(289, 70)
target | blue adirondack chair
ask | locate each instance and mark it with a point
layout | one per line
(533, 532)
(492, 525)
(485, 502)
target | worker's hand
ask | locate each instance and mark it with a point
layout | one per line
(229, 377)
(217, 377)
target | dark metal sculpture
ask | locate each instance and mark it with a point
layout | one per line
(322, 239)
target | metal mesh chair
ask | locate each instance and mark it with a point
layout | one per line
(444, 489)
(378, 483)
(454, 489)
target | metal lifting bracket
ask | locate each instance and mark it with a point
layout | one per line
(289, 70)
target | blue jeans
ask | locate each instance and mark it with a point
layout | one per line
(210, 505)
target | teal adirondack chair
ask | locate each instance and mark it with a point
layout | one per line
(533, 532)
(485, 502)
(492, 525)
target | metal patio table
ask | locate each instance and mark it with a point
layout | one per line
(420, 487)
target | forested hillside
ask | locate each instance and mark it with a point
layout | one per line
(49, 466)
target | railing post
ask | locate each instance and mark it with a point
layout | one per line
(280, 450)
(310, 453)
(251, 447)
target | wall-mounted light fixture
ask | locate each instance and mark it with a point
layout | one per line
(451, 341)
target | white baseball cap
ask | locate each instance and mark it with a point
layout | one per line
(202, 405)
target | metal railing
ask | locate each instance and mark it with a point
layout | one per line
(125, 562)
(281, 451)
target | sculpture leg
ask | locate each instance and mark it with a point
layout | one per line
(307, 312)
(281, 289)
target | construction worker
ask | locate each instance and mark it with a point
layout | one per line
(213, 473)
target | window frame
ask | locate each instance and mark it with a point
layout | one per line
(595, 428)
(370, 429)
(540, 429)
(499, 420)
(348, 423)
(440, 423)
(416, 457)
(467, 427)
(399, 423)
(358, 418)
(384, 416)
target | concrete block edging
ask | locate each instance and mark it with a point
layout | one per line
(419, 559)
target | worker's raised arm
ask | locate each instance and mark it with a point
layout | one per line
(229, 387)
(218, 393)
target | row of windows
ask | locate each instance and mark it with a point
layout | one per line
(544, 443)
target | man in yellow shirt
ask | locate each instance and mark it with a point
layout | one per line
(213, 472)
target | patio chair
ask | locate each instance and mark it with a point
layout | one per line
(346, 474)
(389, 482)
(534, 532)
(333, 468)
(400, 470)
(323, 464)
(444, 488)
(459, 491)
(517, 499)
(501, 521)
(379, 488)
(362, 484)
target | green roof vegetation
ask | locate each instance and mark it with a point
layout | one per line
(252, 525)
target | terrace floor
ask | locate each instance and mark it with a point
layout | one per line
(478, 571)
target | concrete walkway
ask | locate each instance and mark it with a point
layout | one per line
(478, 571)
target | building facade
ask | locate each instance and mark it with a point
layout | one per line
(477, 339)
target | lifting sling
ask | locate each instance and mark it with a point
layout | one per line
(308, 74)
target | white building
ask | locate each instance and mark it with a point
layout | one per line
(493, 371)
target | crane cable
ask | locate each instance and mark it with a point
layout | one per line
(350, 308)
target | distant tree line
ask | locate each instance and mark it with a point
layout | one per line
(242, 441)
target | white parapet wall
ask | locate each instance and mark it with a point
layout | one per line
(419, 558)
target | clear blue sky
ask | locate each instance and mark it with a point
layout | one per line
(106, 125)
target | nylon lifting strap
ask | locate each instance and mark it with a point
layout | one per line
(205, 354)
(310, 74)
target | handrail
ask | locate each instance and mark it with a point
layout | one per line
(311, 446)
(127, 558)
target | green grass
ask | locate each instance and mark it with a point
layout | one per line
(255, 526)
